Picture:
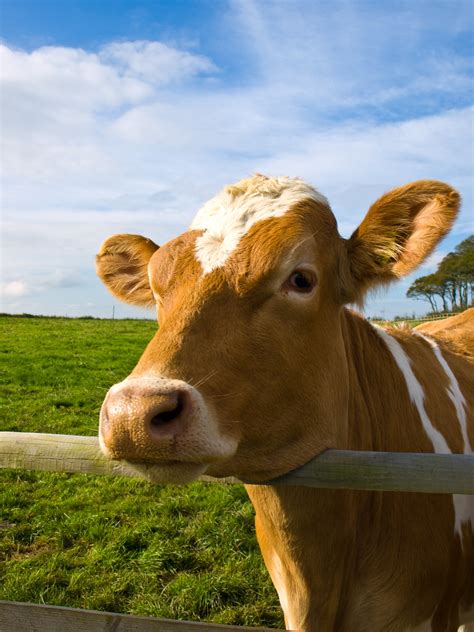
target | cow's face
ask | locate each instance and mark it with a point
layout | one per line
(247, 374)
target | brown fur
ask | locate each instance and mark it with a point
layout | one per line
(399, 231)
(288, 377)
(122, 264)
(456, 331)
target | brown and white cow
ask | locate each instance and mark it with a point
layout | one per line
(258, 366)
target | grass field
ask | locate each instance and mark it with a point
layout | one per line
(109, 543)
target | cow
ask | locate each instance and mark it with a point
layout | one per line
(260, 363)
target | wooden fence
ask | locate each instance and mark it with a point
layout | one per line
(414, 319)
(335, 469)
(27, 617)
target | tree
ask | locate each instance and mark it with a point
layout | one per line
(453, 282)
(457, 272)
(424, 288)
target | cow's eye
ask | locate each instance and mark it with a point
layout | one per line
(301, 281)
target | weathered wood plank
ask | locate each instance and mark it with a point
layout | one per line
(335, 469)
(386, 471)
(25, 617)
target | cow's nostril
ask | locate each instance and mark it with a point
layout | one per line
(166, 416)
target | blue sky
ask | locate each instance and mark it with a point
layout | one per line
(126, 116)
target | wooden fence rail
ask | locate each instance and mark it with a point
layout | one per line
(26, 617)
(335, 469)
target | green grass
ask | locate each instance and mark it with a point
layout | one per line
(110, 543)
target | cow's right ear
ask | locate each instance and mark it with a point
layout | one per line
(122, 264)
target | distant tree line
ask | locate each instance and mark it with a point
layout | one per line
(450, 288)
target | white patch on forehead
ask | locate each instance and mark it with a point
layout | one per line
(226, 218)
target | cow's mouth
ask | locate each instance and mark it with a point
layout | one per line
(152, 463)
(170, 471)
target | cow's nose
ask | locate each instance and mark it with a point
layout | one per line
(137, 421)
(167, 410)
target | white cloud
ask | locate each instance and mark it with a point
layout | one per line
(66, 77)
(47, 280)
(155, 62)
(15, 288)
(344, 54)
(58, 104)
(118, 74)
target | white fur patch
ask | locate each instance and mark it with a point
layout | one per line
(277, 573)
(463, 513)
(415, 390)
(454, 392)
(463, 505)
(226, 218)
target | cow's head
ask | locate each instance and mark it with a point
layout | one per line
(247, 374)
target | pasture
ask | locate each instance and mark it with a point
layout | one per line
(110, 543)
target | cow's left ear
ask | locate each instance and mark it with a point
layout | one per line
(398, 233)
(122, 264)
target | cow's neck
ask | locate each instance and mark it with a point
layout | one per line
(329, 522)
(378, 397)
